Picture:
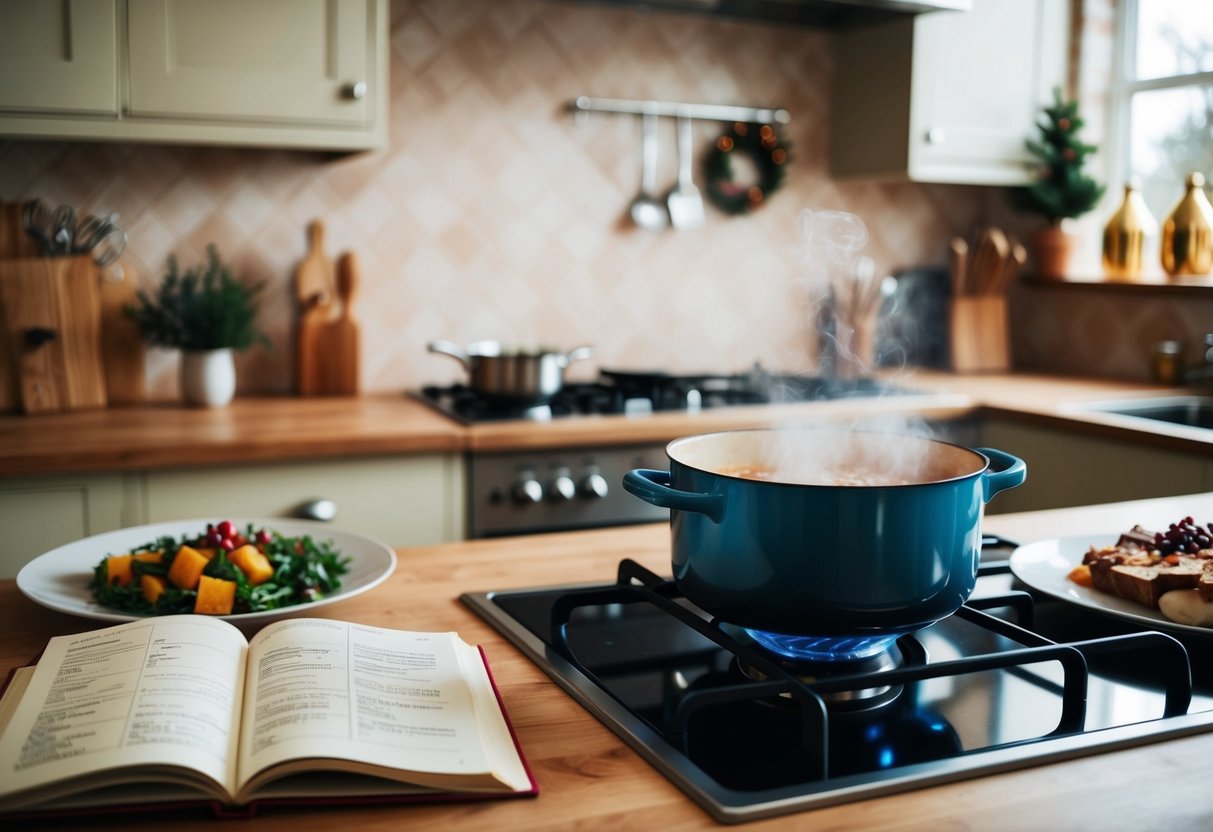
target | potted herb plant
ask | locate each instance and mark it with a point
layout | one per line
(1063, 191)
(207, 314)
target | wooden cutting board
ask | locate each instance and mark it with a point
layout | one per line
(15, 244)
(314, 275)
(122, 351)
(342, 336)
(309, 350)
(329, 347)
(52, 312)
(314, 290)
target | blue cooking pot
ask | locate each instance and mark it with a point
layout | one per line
(826, 532)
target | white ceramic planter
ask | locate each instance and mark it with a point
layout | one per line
(208, 377)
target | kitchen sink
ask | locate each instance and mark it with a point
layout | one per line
(1190, 411)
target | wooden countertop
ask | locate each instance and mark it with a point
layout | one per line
(268, 429)
(591, 779)
(250, 429)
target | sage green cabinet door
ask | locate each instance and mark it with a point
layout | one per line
(403, 501)
(270, 60)
(59, 56)
(41, 513)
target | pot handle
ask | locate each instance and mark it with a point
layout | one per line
(654, 487)
(452, 349)
(576, 355)
(1012, 472)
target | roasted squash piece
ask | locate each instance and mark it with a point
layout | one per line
(255, 566)
(152, 586)
(118, 570)
(187, 568)
(1081, 575)
(215, 596)
(149, 557)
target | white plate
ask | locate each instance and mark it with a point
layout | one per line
(1044, 565)
(59, 578)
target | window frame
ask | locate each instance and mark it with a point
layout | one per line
(1125, 85)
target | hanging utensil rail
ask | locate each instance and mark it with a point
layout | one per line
(698, 112)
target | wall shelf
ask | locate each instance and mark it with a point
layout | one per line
(1151, 285)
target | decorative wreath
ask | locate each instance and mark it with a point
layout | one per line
(761, 143)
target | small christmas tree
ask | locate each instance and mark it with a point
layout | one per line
(1063, 190)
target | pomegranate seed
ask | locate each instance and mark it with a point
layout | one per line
(228, 544)
(226, 528)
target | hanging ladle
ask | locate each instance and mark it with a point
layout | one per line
(649, 212)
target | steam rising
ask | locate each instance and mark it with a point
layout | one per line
(831, 240)
(846, 297)
(847, 290)
(810, 456)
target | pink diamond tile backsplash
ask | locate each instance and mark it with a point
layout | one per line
(493, 213)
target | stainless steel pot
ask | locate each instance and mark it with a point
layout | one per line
(522, 375)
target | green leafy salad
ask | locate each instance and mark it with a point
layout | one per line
(222, 571)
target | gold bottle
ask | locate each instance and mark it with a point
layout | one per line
(1125, 235)
(1187, 234)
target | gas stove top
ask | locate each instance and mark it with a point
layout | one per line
(1004, 683)
(647, 392)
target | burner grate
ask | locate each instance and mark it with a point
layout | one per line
(615, 392)
(637, 584)
(666, 678)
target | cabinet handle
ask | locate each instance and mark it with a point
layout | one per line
(355, 91)
(936, 135)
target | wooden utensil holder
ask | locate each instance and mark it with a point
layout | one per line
(52, 317)
(979, 334)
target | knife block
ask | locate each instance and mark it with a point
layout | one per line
(979, 334)
(52, 316)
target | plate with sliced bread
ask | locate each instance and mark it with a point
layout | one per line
(1131, 583)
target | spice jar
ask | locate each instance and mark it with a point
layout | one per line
(1125, 235)
(1167, 363)
(1187, 233)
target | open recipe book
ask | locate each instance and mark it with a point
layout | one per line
(184, 708)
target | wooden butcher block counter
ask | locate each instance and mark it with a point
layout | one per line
(267, 429)
(589, 779)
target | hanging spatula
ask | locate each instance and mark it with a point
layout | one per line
(684, 200)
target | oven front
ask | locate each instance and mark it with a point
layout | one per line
(549, 490)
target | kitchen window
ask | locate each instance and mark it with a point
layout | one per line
(1162, 97)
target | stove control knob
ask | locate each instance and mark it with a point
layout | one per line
(562, 488)
(526, 491)
(595, 486)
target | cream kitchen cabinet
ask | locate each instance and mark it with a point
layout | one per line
(288, 73)
(403, 501)
(40, 513)
(1070, 468)
(947, 96)
(59, 58)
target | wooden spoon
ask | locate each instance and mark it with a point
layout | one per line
(960, 255)
(1011, 266)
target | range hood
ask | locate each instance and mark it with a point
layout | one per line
(825, 14)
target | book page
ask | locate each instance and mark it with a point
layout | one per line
(385, 700)
(154, 692)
